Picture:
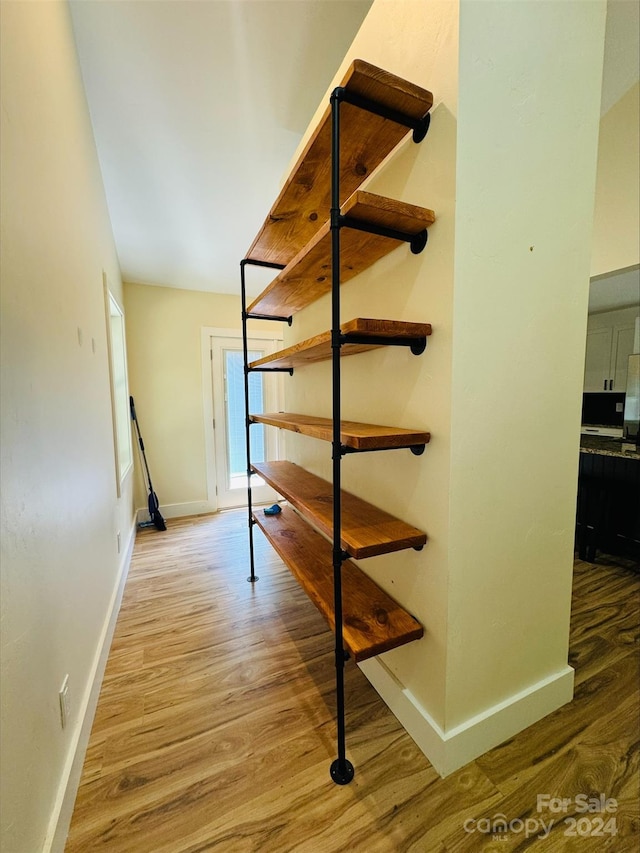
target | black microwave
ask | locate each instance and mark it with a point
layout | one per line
(603, 409)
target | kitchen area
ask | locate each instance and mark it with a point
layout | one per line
(608, 507)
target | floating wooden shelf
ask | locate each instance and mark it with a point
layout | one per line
(318, 348)
(366, 139)
(356, 435)
(307, 277)
(366, 530)
(372, 621)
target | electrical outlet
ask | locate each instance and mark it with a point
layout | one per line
(63, 696)
(619, 407)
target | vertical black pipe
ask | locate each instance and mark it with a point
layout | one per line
(245, 353)
(341, 769)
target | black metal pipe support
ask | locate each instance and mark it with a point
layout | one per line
(269, 264)
(341, 769)
(288, 320)
(420, 126)
(416, 449)
(245, 358)
(417, 345)
(417, 241)
(288, 370)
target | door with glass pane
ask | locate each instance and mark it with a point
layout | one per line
(229, 420)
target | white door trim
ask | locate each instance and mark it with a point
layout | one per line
(208, 332)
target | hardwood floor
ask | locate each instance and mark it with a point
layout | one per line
(215, 725)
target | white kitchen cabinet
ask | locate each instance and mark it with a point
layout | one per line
(622, 347)
(607, 354)
(598, 359)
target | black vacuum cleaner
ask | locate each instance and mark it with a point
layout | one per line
(154, 506)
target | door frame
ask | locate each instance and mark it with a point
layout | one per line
(208, 332)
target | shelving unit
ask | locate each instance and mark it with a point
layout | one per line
(322, 231)
(360, 335)
(367, 137)
(366, 531)
(353, 436)
(372, 621)
(307, 276)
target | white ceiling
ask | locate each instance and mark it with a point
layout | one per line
(198, 106)
(620, 289)
(197, 110)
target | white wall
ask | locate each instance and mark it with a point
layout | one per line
(616, 232)
(530, 76)
(165, 376)
(509, 168)
(60, 511)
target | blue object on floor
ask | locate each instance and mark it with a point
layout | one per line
(272, 510)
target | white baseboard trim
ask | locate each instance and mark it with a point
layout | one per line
(178, 510)
(449, 750)
(70, 780)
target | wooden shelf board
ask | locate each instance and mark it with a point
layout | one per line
(307, 276)
(372, 621)
(318, 348)
(366, 139)
(366, 530)
(352, 434)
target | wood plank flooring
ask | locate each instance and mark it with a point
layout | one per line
(215, 725)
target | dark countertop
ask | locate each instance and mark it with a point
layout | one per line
(607, 446)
